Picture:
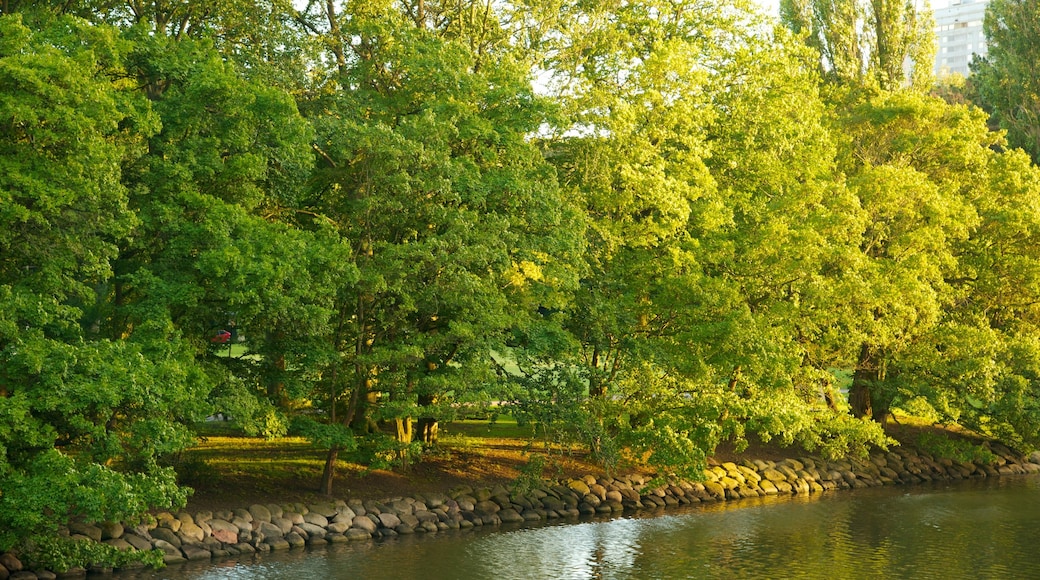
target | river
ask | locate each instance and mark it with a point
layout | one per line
(985, 528)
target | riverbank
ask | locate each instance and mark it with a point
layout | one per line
(238, 530)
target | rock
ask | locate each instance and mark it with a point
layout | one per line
(260, 513)
(345, 515)
(119, 544)
(365, 524)
(270, 530)
(91, 531)
(196, 552)
(324, 509)
(295, 540)
(277, 543)
(338, 527)
(191, 533)
(313, 531)
(137, 542)
(295, 517)
(111, 530)
(404, 529)
(46, 575)
(165, 534)
(316, 519)
(10, 562)
(24, 575)
(389, 520)
(579, 486)
(773, 475)
(224, 531)
(716, 490)
(4, 573)
(510, 516)
(486, 507)
(275, 510)
(357, 534)
(242, 524)
(409, 520)
(283, 524)
(171, 553)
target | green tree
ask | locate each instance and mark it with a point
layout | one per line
(84, 417)
(452, 216)
(912, 161)
(860, 41)
(1006, 79)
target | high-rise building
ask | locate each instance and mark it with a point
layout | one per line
(958, 32)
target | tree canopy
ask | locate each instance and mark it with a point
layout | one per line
(648, 228)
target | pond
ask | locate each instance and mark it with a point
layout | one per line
(984, 528)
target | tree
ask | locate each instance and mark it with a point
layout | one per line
(85, 417)
(452, 216)
(912, 162)
(705, 181)
(1006, 79)
(861, 41)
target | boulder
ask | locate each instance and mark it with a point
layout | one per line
(277, 543)
(295, 540)
(579, 486)
(119, 544)
(364, 524)
(191, 533)
(10, 562)
(260, 513)
(270, 530)
(91, 531)
(171, 553)
(137, 542)
(345, 515)
(275, 510)
(389, 520)
(165, 534)
(243, 514)
(357, 534)
(315, 518)
(486, 507)
(224, 531)
(196, 552)
(510, 516)
(338, 527)
(313, 531)
(283, 524)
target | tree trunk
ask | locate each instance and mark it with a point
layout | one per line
(597, 389)
(329, 473)
(427, 425)
(864, 377)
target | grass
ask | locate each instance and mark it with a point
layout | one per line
(228, 470)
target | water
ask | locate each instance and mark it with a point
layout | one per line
(973, 529)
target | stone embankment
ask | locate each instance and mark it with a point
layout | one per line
(262, 528)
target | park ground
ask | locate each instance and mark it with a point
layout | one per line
(228, 470)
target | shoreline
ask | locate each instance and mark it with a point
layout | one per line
(236, 531)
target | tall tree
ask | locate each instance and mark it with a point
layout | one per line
(85, 417)
(451, 213)
(889, 43)
(1007, 79)
(911, 161)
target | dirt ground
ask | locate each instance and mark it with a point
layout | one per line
(491, 461)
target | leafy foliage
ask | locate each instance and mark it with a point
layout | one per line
(646, 228)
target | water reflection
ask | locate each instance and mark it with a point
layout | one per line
(978, 529)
